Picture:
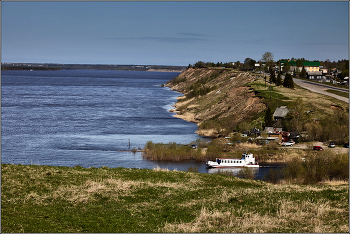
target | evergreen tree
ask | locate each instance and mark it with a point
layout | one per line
(303, 73)
(286, 67)
(288, 81)
(272, 77)
(279, 80)
(268, 120)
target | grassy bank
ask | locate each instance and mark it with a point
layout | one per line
(339, 93)
(62, 199)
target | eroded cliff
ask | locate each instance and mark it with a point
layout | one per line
(217, 100)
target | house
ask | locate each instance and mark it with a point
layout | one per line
(324, 70)
(269, 130)
(280, 113)
(311, 66)
(308, 66)
(316, 75)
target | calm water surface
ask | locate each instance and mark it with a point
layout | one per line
(88, 117)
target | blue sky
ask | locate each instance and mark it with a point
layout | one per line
(172, 33)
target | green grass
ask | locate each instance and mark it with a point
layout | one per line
(62, 199)
(339, 93)
(277, 99)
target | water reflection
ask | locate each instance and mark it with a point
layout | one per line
(231, 171)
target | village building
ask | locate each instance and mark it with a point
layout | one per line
(280, 113)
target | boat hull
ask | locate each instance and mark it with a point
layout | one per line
(224, 166)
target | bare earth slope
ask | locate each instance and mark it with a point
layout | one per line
(227, 103)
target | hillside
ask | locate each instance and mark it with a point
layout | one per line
(214, 98)
(222, 101)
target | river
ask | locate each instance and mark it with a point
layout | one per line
(89, 118)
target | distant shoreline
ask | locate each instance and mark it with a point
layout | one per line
(54, 67)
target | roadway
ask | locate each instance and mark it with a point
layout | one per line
(321, 88)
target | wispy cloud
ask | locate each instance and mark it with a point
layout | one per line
(160, 39)
(193, 34)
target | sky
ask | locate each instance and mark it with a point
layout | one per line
(172, 33)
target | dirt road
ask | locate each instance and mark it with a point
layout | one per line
(338, 150)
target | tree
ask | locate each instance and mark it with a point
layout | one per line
(299, 63)
(238, 63)
(345, 69)
(288, 81)
(272, 76)
(303, 73)
(199, 64)
(252, 63)
(286, 67)
(246, 64)
(279, 80)
(297, 116)
(267, 57)
(268, 120)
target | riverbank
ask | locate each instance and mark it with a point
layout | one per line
(74, 200)
(215, 99)
(224, 101)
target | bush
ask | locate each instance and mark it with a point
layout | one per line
(318, 167)
(214, 150)
(171, 152)
(274, 176)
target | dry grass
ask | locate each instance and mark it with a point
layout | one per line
(241, 220)
(160, 200)
(247, 146)
(334, 182)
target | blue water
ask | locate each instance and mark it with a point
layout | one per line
(88, 117)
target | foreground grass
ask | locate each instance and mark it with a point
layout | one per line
(62, 199)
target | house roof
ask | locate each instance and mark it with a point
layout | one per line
(281, 111)
(311, 64)
(306, 64)
(315, 73)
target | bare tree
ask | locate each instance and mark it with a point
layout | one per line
(267, 57)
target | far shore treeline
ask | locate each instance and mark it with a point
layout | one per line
(58, 66)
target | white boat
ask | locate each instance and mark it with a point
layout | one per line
(247, 160)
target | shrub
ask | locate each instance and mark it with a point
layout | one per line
(318, 167)
(171, 152)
